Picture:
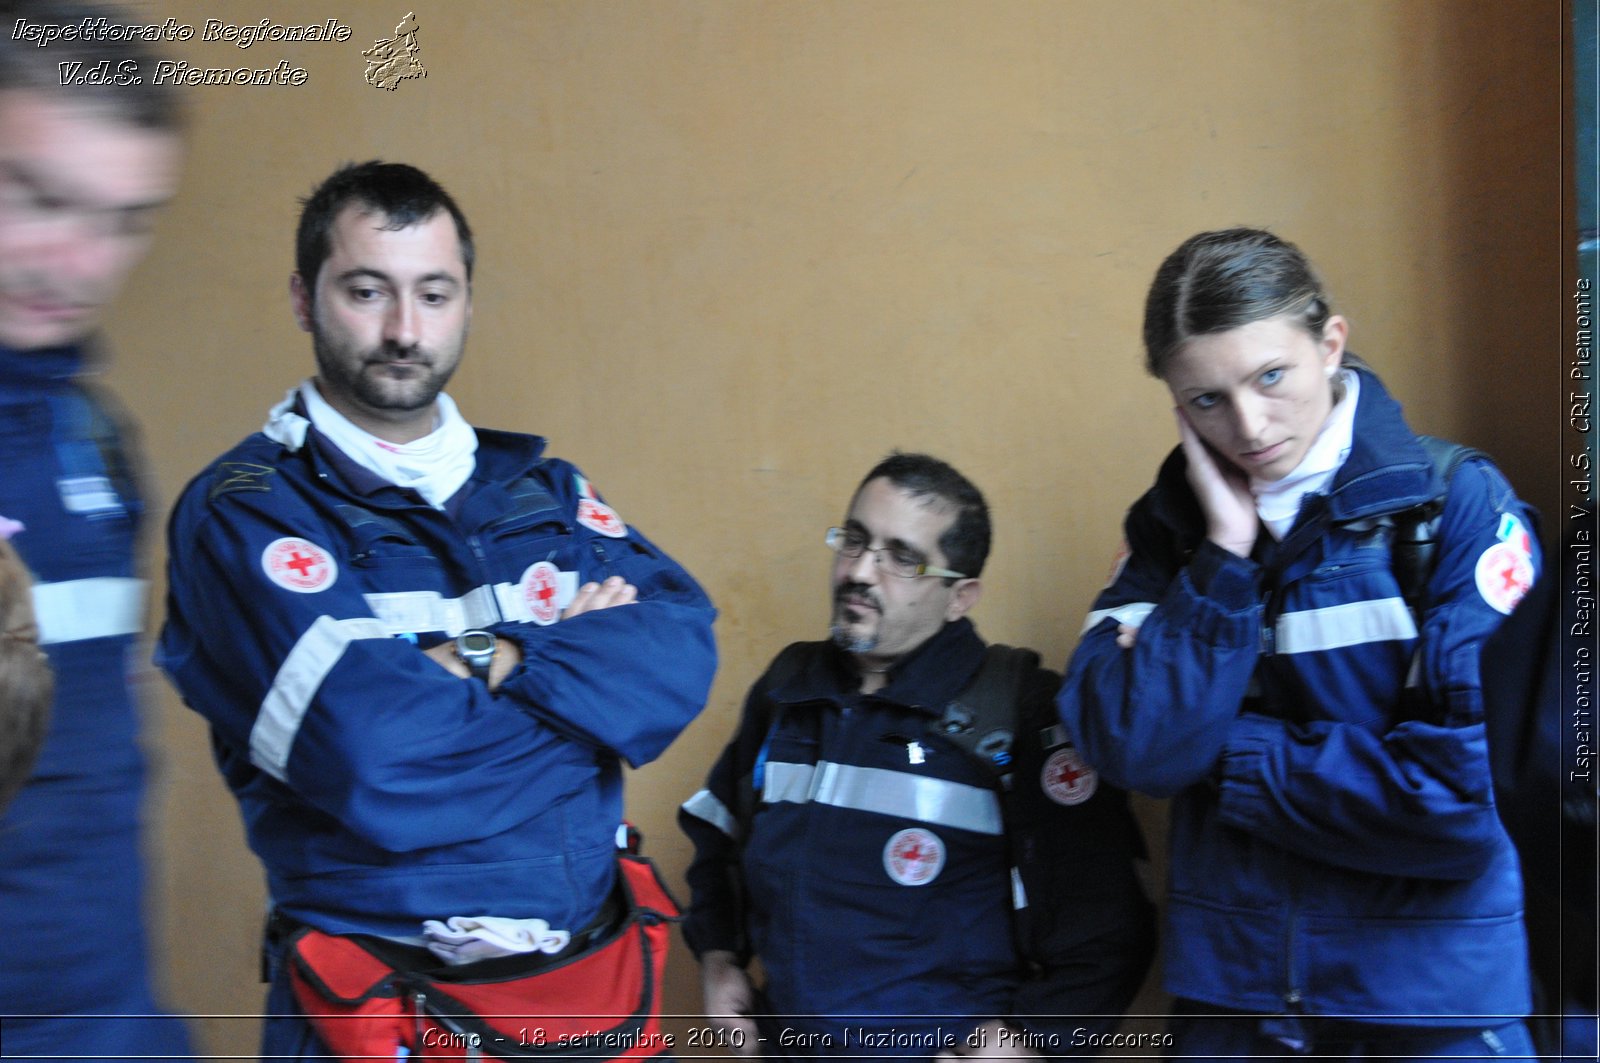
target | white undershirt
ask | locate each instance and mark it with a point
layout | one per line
(1278, 501)
(434, 466)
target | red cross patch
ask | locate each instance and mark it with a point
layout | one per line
(595, 514)
(299, 565)
(914, 857)
(1504, 574)
(541, 590)
(1067, 778)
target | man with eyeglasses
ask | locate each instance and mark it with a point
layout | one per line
(900, 832)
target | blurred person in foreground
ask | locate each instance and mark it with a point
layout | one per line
(1289, 649)
(83, 171)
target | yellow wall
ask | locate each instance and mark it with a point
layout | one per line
(731, 252)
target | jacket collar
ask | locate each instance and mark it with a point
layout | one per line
(1387, 470)
(501, 457)
(925, 680)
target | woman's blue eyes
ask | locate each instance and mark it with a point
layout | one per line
(1210, 399)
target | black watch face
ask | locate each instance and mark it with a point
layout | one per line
(476, 642)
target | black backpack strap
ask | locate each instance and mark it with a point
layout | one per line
(982, 720)
(1414, 550)
(1446, 457)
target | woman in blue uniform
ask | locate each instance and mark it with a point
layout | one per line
(1290, 650)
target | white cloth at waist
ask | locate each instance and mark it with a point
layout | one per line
(465, 939)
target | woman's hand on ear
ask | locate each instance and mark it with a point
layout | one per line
(1224, 493)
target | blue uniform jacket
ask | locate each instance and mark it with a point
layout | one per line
(378, 789)
(71, 871)
(1335, 847)
(875, 883)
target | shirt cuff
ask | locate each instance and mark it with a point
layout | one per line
(1225, 577)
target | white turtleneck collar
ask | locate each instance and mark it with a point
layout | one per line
(1278, 501)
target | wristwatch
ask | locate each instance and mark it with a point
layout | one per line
(475, 649)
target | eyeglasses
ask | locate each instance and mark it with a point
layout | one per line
(895, 560)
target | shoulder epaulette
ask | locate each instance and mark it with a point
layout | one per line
(239, 476)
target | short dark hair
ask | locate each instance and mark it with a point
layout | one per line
(403, 194)
(25, 65)
(1221, 280)
(966, 542)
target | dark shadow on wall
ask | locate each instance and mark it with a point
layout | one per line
(1510, 175)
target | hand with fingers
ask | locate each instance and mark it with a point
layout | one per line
(1223, 491)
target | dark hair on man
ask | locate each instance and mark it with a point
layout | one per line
(966, 542)
(404, 195)
(25, 65)
(1220, 280)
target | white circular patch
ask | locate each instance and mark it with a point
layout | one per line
(1067, 778)
(914, 857)
(1504, 574)
(541, 589)
(299, 565)
(592, 513)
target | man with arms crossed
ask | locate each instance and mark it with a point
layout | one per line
(424, 649)
(83, 171)
(900, 832)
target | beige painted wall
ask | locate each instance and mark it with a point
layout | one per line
(732, 252)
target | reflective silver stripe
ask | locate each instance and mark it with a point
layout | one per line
(408, 612)
(704, 805)
(787, 782)
(892, 793)
(1019, 895)
(79, 609)
(297, 683)
(1351, 624)
(1132, 614)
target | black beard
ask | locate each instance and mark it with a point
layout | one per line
(852, 644)
(841, 637)
(357, 384)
